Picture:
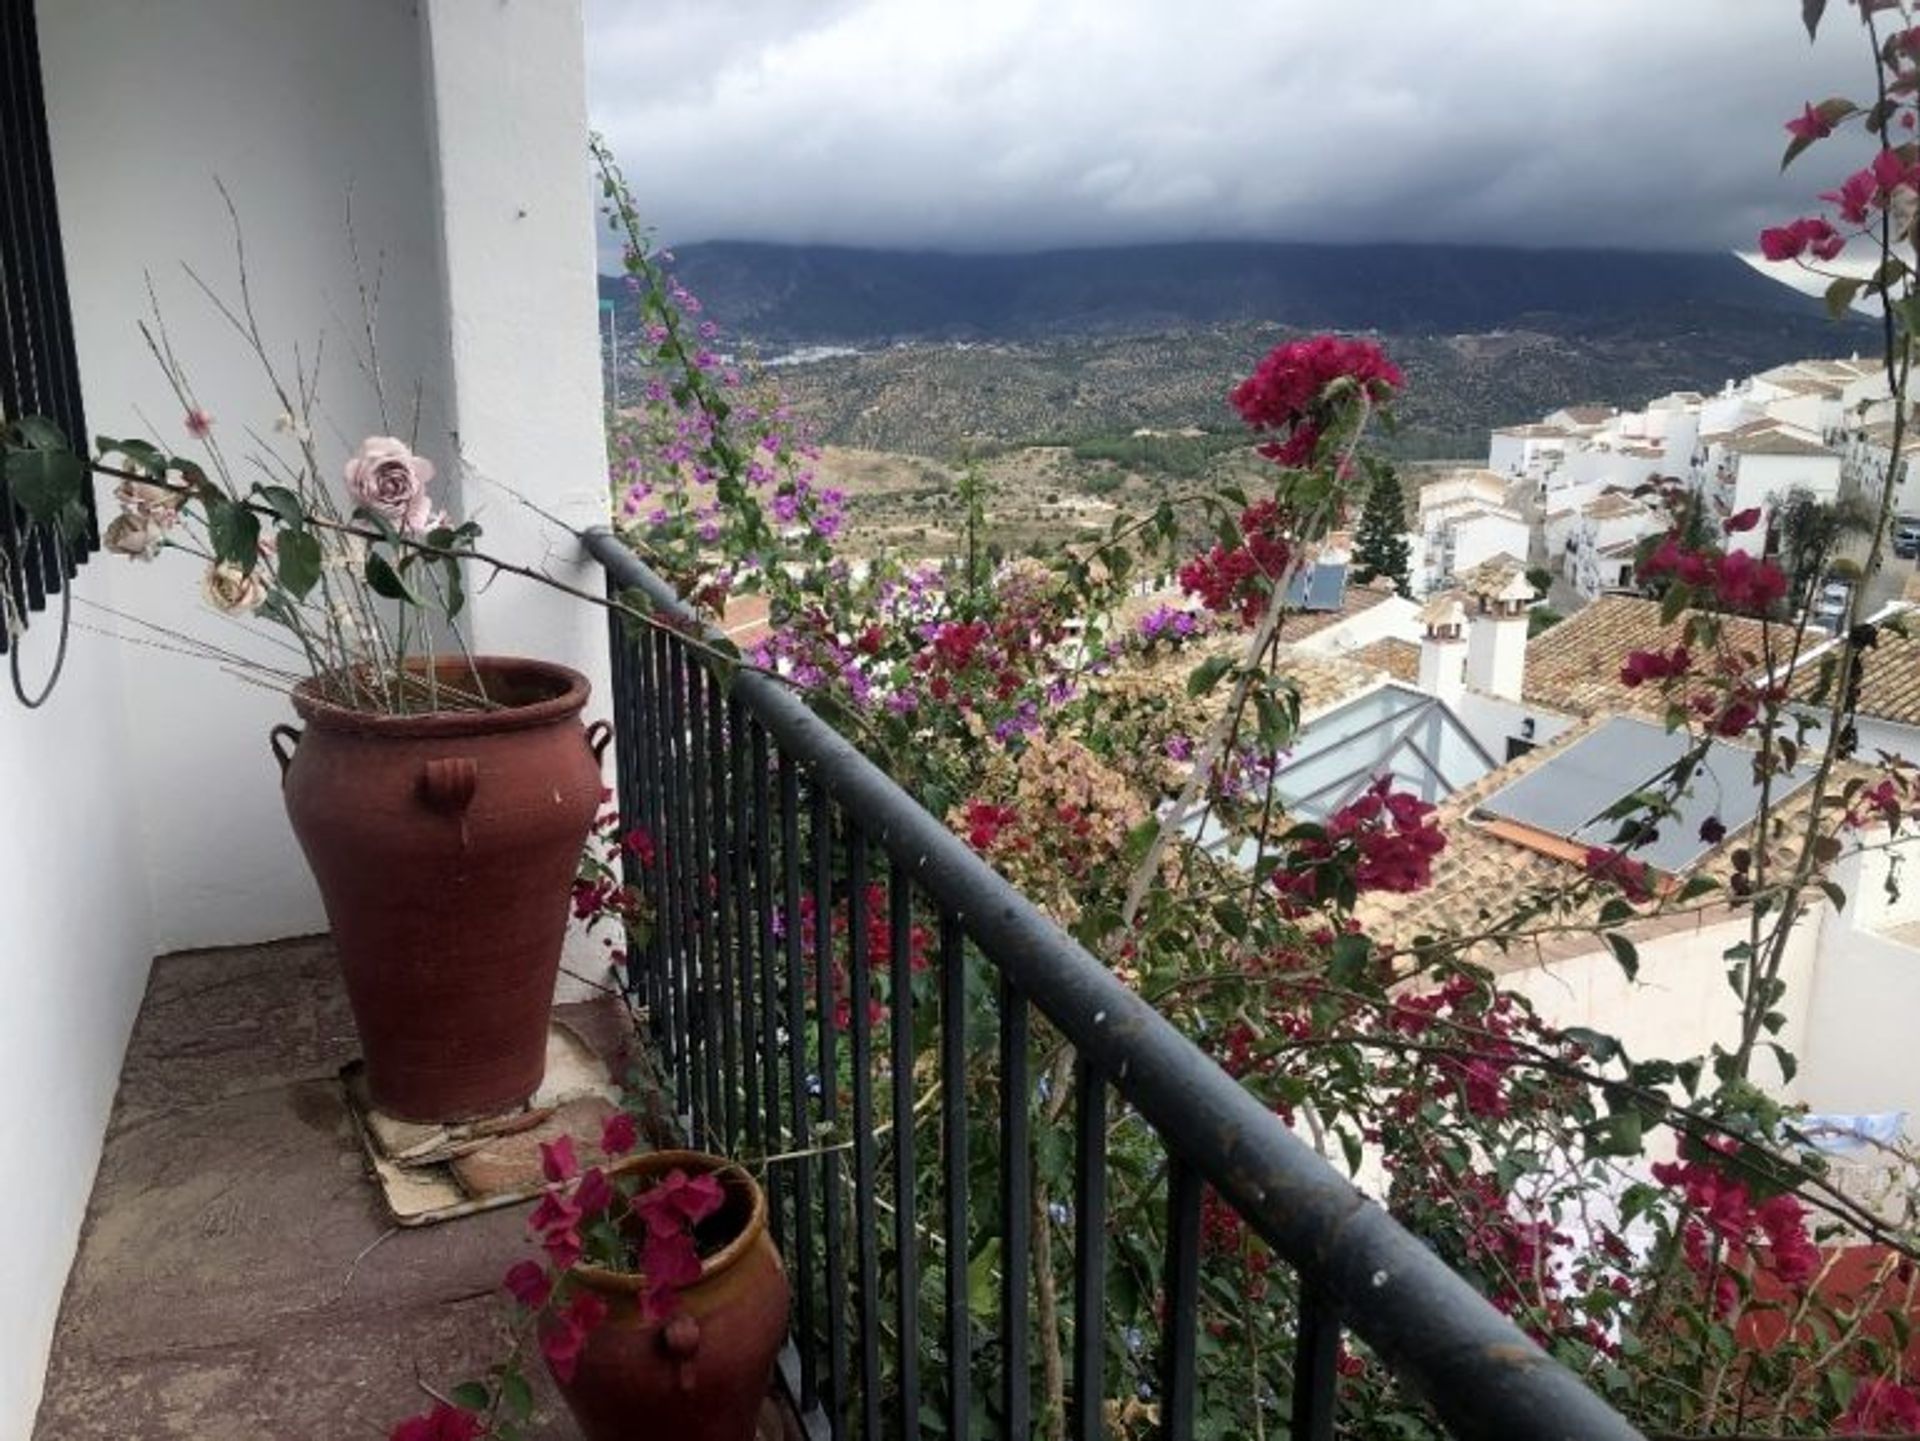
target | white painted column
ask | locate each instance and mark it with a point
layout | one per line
(507, 91)
(507, 88)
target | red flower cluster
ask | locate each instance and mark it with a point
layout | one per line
(1735, 579)
(1289, 390)
(1881, 1407)
(1611, 867)
(1865, 191)
(1725, 1211)
(1792, 240)
(1241, 578)
(1387, 840)
(970, 662)
(669, 1259)
(879, 951)
(1645, 665)
(442, 1423)
(1481, 1076)
(985, 822)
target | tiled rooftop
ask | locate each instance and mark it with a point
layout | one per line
(1575, 667)
(1482, 877)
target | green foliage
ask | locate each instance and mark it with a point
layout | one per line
(1380, 546)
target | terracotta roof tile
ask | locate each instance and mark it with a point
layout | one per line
(1398, 658)
(1482, 876)
(1889, 679)
(1575, 666)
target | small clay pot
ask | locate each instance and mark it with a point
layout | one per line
(702, 1373)
(445, 845)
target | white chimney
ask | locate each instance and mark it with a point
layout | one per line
(1497, 640)
(1443, 650)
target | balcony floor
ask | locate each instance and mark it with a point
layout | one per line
(236, 1276)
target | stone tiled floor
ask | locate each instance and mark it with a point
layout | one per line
(237, 1277)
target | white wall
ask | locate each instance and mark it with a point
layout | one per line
(1681, 1003)
(141, 813)
(510, 126)
(292, 106)
(1859, 1054)
(74, 944)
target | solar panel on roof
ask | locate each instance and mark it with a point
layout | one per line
(1567, 794)
(1328, 588)
(1320, 587)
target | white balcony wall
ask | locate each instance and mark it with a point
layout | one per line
(74, 943)
(141, 810)
(293, 107)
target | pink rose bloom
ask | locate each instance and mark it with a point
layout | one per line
(390, 480)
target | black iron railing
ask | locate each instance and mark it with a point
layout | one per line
(39, 368)
(937, 1079)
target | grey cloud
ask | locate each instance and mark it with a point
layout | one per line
(1023, 123)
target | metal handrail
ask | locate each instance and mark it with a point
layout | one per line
(1480, 1373)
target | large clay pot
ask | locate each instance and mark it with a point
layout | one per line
(702, 1373)
(445, 845)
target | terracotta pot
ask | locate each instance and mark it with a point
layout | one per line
(703, 1372)
(445, 846)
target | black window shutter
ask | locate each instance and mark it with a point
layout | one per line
(39, 372)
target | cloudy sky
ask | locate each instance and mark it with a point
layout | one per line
(1017, 124)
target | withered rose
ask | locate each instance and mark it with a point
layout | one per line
(231, 591)
(137, 534)
(390, 480)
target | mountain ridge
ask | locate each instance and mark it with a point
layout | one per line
(788, 295)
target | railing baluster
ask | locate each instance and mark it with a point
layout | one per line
(866, 1226)
(740, 1019)
(1085, 1414)
(688, 875)
(706, 959)
(799, 1126)
(1316, 1358)
(834, 1307)
(673, 855)
(1179, 1331)
(727, 840)
(1016, 1239)
(765, 958)
(953, 1109)
(906, 1240)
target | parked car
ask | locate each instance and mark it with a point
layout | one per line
(1906, 539)
(1830, 605)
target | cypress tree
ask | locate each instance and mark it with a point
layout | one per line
(1380, 548)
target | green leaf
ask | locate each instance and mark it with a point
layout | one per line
(1619, 1134)
(1598, 1044)
(38, 433)
(456, 595)
(285, 504)
(384, 580)
(1841, 293)
(1207, 674)
(47, 484)
(299, 562)
(235, 533)
(1624, 952)
(1349, 960)
(983, 1297)
(516, 1394)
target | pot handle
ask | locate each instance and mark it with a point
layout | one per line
(681, 1341)
(291, 736)
(599, 737)
(448, 784)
